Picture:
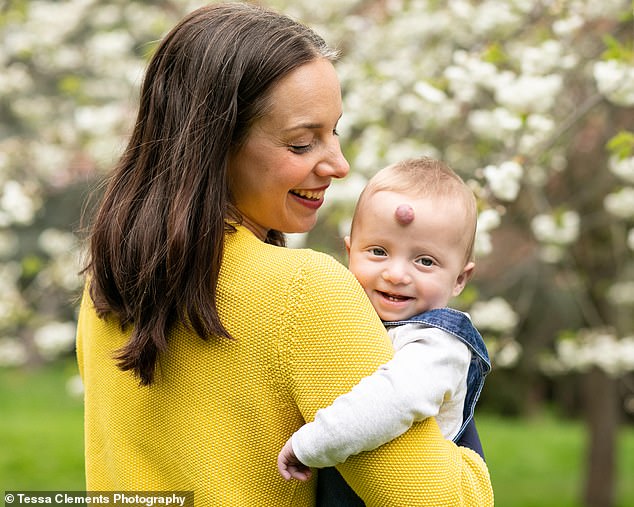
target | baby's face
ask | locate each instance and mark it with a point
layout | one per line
(409, 268)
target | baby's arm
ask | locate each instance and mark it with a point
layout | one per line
(410, 387)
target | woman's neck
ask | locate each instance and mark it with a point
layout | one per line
(259, 231)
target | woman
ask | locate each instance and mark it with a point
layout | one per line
(203, 344)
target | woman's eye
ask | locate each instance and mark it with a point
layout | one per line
(300, 148)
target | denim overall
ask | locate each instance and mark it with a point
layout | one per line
(333, 491)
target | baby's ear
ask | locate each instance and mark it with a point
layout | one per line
(464, 276)
(346, 240)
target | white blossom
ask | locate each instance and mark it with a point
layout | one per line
(460, 83)
(494, 16)
(537, 175)
(12, 352)
(371, 144)
(75, 386)
(621, 293)
(495, 124)
(105, 47)
(539, 123)
(51, 22)
(51, 161)
(590, 9)
(567, 27)
(54, 338)
(62, 271)
(106, 16)
(508, 354)
(495, 315)
(558, 229)
(599, 348)
(430, 93)
(461, 9)
(483, 245)
(15, 78)
(56, 242)
(468, 73)
(408, 148)
(66, 58)
(526, 93)
(551, 253)
(545, 58)
(539, 129)
(99, 120)
(488, 219)
(622, 167)
(504, 180)
(620, 203)
(16, 204)
(33, 109)
(615, 80)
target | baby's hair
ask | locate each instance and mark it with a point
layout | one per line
(425, 177)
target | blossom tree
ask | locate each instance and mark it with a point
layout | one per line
(531, 101)
(67, 87)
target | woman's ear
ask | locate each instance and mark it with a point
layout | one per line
(464, 276)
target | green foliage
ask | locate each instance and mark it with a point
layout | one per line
(495, 54)
(622, 145)
(616, 50)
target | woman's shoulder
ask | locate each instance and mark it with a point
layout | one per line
(248, 248)
(311, 283)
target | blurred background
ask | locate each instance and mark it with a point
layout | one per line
(531, 101)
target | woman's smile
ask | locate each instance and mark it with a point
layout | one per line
(310, 198)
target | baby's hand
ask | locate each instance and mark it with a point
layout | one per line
(289, 466)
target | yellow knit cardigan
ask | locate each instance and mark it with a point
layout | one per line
(220, 410)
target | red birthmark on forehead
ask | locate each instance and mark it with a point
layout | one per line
(404, 214)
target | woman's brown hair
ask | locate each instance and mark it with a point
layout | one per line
(156, 242)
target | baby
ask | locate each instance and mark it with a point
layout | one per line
(411, 248)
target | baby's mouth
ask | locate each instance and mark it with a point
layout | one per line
(311, 195)
(394, 297)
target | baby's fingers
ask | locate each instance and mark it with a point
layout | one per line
(301, 473)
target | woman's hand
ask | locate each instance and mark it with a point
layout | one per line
(289, 466)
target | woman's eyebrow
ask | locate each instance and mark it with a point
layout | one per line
(308, 125)
(304, 126)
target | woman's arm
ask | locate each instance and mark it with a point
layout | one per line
(424, 373)
(330, 339)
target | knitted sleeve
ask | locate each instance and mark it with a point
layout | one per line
(330, 339)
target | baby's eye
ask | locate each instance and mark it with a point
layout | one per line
(380, 252)
(425, 261)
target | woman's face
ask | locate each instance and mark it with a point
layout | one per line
(279, 176)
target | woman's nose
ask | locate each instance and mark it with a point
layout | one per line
(334, 164)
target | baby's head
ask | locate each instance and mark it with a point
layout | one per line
(412, 236)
